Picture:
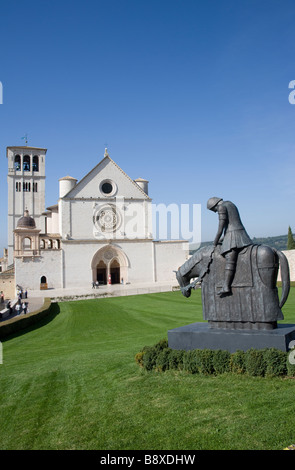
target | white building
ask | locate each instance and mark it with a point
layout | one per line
(100, 229)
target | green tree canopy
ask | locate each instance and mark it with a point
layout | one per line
(290, 242)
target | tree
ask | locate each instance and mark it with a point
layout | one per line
(291, 242)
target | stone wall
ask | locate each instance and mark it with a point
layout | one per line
(29, 271)
(7, 284)
(290, 255)
(169, 256)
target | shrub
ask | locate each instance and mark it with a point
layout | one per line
(139, 358)
(254, 362)
(162, 360)
(276, 362)
(221, 361)
(149, 358)
(237, 362)
(176, 359)
(162, 344)
(190, 362)
(199, 361)
(206, 361)
(269, 362)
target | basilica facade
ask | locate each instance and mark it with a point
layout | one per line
(99, 231)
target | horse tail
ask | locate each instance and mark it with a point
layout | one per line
(285, 276)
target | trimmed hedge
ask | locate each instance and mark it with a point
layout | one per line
(18, 323)
(269, 362)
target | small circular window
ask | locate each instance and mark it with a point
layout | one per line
(108, 188)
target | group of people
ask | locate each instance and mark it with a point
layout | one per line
(95, 285)
(22, 294)
(22, 305)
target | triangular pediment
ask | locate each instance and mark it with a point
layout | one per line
(105, 180)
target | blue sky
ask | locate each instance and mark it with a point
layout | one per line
(191, 95)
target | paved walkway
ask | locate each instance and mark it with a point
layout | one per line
(115, 290)
(34, 303)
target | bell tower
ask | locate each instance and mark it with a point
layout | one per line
(26, 188)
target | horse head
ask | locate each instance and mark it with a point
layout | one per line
(195, 267)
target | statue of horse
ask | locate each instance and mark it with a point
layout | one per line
(254, 301)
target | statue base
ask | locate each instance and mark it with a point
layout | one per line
(201, 336)
(244, 325)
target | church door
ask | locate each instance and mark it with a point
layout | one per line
(115, 272)
(101, 273)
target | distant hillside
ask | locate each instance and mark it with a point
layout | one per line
(279, 242)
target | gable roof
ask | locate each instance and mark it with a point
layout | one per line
(108, 158)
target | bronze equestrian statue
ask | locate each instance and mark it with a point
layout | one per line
(238, 278)
(235, 237)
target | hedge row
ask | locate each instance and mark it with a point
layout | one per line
(17, 323)
(269, 362)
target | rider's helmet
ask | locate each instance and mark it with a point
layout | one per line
(212, 202)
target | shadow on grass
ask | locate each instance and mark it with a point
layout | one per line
(54, 310)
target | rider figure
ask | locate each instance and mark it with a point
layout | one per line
(235, 237)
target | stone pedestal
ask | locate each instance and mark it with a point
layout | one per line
(201, 336)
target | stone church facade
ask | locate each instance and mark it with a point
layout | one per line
(99, 230)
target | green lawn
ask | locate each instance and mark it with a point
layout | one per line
(72, 383)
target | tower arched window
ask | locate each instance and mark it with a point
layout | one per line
(17, 162)
(26, 163)
(27, 243)
(35, 163)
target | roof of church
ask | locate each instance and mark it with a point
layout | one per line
(107, 157)
(50, 209)
(132, 181)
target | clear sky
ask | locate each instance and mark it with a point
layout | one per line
(189, 94)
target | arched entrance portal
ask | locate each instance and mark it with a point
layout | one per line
(115, 272)
(101, 273)
(110, 262)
